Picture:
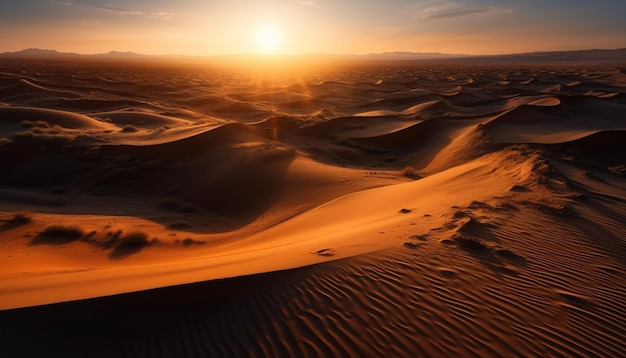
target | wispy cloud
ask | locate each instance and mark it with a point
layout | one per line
(63, 2)
(117, 9)
(128, 11)
(453, 9)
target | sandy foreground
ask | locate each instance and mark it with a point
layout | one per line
(349, 210)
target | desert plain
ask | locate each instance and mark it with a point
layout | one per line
(312, 208)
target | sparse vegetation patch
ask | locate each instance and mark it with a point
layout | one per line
(73, 232)
(58, 235)
(21, 218)
(134, 239)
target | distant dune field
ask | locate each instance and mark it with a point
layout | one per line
(354, 209)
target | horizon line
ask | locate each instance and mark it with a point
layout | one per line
(270, 55)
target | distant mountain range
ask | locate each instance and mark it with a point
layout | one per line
(612, 56)
(399, 55)
(595, 55)
(35, 53)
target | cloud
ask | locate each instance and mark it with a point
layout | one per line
(116, 9)
(128, 11)
(308, 3)
(450, 10)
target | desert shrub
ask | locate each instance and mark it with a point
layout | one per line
(410, 172)
(134, 239)
(112, 238)
(189, 241)
(73, 231)
(21, 218)
(129, 244)
(90, 237)
(58, 235)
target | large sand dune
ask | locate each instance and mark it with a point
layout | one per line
(349, 210)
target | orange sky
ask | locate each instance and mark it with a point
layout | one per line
(195, 27)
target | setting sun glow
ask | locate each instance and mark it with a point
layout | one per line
(268, 38)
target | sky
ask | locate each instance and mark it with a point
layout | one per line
(223, 27)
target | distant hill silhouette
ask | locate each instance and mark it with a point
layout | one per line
(595, 55)
(400, 55)
(35, 53)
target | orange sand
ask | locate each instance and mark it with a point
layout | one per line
(354, 211)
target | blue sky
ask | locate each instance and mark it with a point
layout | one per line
(212, 27)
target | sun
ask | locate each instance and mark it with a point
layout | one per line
(268, 38)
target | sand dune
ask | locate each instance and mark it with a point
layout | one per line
(354, 211)
(52, 117)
